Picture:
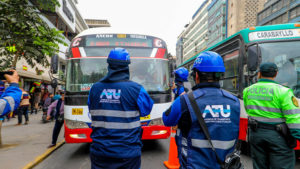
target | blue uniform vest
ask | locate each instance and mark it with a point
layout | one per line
(178, 91)
(221, 112)
(115, 110)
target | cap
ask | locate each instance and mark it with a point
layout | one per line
(268, 67)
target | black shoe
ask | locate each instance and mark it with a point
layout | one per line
(51, 145)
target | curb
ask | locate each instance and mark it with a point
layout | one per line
(40, 158)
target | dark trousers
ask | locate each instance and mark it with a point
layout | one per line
(98, 162)
(56, 130)
(23, 110)
(269, 150)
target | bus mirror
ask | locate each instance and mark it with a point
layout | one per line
(54, 64)
(253, 56)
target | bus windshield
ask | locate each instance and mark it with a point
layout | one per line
(153, 74)
(286, 55)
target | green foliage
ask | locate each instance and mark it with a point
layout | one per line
(22, 27)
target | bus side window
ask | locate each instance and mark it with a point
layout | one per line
(230, 80)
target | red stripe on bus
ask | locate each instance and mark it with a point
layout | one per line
(76, 53)
(160, 53)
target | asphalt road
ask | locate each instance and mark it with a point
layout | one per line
(76, 156)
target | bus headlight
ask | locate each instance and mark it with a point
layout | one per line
(157, 121)
(73, 124)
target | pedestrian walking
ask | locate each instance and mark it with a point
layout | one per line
(59, 120)
(181, 75)
(37, 99)
(11, 98)
(23, 108)
(116, 104)
(219, 109)
(31, 100)
(274, 121)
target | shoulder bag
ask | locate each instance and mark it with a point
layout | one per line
(232, 160)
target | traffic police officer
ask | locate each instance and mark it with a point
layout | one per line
(11, 98)
(270, 105)
(181, 75)
(220, 110)
(116, 104)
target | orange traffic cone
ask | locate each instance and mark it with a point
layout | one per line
(173, 162)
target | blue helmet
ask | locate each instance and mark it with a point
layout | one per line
(209, 62)
(118, 56)
(181, 74)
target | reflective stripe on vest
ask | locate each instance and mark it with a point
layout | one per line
(10, 101)
(293, 125)
(2, 105)
(293, 111)
(116, 125)
(217, 144)
(266, 119)
(262, 108)
(115, 113)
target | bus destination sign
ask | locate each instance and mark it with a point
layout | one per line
(118, 40)
(276, 34)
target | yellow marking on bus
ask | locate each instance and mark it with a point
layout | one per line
(145, 118)
(77, 111)
(121, 35)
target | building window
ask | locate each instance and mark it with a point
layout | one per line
(284, 18)
(293, 13)
(275, 8)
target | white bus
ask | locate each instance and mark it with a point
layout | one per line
(87, 64)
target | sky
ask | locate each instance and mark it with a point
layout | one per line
(161, 18)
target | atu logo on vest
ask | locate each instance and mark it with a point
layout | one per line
(110, 96)
(218, 114)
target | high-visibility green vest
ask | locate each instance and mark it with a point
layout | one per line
(269, 102)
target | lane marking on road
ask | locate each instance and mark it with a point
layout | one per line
(40, 158)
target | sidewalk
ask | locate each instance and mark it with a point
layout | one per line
(23, 143)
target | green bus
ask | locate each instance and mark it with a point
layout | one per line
(244, 51)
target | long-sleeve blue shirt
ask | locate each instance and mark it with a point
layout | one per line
(10, 99)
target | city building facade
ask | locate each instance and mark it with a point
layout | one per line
(66, 18)
(214, 21)
(95, 23)
(194, 37)
(217, 21)
(242, 14)
(278, 12)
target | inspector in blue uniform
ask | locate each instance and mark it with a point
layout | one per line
(116, 104)
(181, 75)
(11, 97)
(220, 110)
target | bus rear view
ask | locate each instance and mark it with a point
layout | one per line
(87, 65)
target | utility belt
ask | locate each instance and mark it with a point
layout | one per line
(281, 128)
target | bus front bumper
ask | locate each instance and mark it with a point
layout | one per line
(155, 132)
(83, 135)
(78, 135)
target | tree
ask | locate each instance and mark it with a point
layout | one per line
(23, 34)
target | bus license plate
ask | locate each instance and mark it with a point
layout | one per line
(77, 111)
(145, 118)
